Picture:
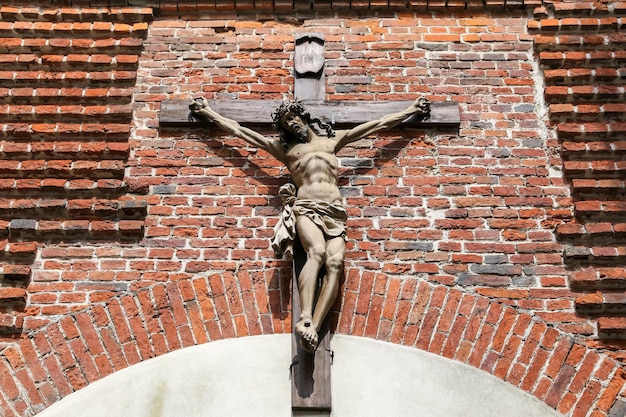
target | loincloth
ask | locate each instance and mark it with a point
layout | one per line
(329, 217)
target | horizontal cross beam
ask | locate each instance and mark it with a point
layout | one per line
(336, 113)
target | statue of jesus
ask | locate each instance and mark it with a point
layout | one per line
(313, 206)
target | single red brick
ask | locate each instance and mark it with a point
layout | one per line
(399, 330)
(57, 375)
(84, 360)
(113, 349)
(373, 316)
(7, 293)
(456, 333)
(479, 355)
(566, 402)
(89, 334)
(200, 332)
(607, 398)
(347, 311)
(103, 364)
(586, 400)
(27, 383)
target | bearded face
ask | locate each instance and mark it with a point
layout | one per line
(293, 124)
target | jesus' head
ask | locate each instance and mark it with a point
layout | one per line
(293, 121)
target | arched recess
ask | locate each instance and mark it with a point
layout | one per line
(513, 346)
(250, 376)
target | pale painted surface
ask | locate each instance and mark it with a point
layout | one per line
(250, 377)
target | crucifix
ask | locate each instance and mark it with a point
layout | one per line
(311, 228)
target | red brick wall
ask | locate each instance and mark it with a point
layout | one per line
(580, 46)
(125, 241)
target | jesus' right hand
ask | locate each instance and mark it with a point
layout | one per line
(198, 104)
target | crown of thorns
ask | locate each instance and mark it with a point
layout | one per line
(295, 106)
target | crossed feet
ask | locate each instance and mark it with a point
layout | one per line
(308, 334)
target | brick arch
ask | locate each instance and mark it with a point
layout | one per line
(514, 346)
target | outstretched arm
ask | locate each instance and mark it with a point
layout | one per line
(419, 106)
(200, 106)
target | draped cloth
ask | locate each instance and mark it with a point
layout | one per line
(329, 217)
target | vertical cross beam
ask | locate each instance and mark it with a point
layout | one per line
(310, 376)
(310, 382)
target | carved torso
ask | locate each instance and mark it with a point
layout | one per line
(314, 168)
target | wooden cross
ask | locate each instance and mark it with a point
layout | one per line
(311, 389)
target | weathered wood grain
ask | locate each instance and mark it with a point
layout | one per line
(339, 114)
(310, 372)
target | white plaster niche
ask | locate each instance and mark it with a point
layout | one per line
(249, 377)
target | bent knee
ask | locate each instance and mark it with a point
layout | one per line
(334, 262)
(316, 253)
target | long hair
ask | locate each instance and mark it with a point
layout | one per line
(297, 107)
